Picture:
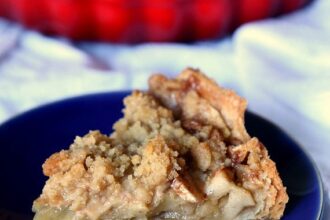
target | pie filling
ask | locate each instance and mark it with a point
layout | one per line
(181, 151)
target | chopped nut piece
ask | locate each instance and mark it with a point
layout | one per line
(186, 190)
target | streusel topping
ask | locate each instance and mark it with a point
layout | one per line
(181, 151)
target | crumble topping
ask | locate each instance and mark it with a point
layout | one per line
(181, 151)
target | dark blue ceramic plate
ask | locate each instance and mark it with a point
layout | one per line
(28, 139)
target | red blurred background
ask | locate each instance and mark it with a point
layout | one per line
(142, 20)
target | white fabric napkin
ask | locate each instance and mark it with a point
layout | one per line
(281, 65)
(284, 67)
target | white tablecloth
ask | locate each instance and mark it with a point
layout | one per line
(282, 66)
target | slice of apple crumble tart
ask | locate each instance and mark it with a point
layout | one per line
(181, 151)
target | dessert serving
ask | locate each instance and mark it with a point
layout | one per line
(181, 151)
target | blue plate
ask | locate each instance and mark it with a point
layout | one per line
(28, 139)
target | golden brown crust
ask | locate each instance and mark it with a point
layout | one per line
(54, 163)
(231, 106)
(174, 92)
